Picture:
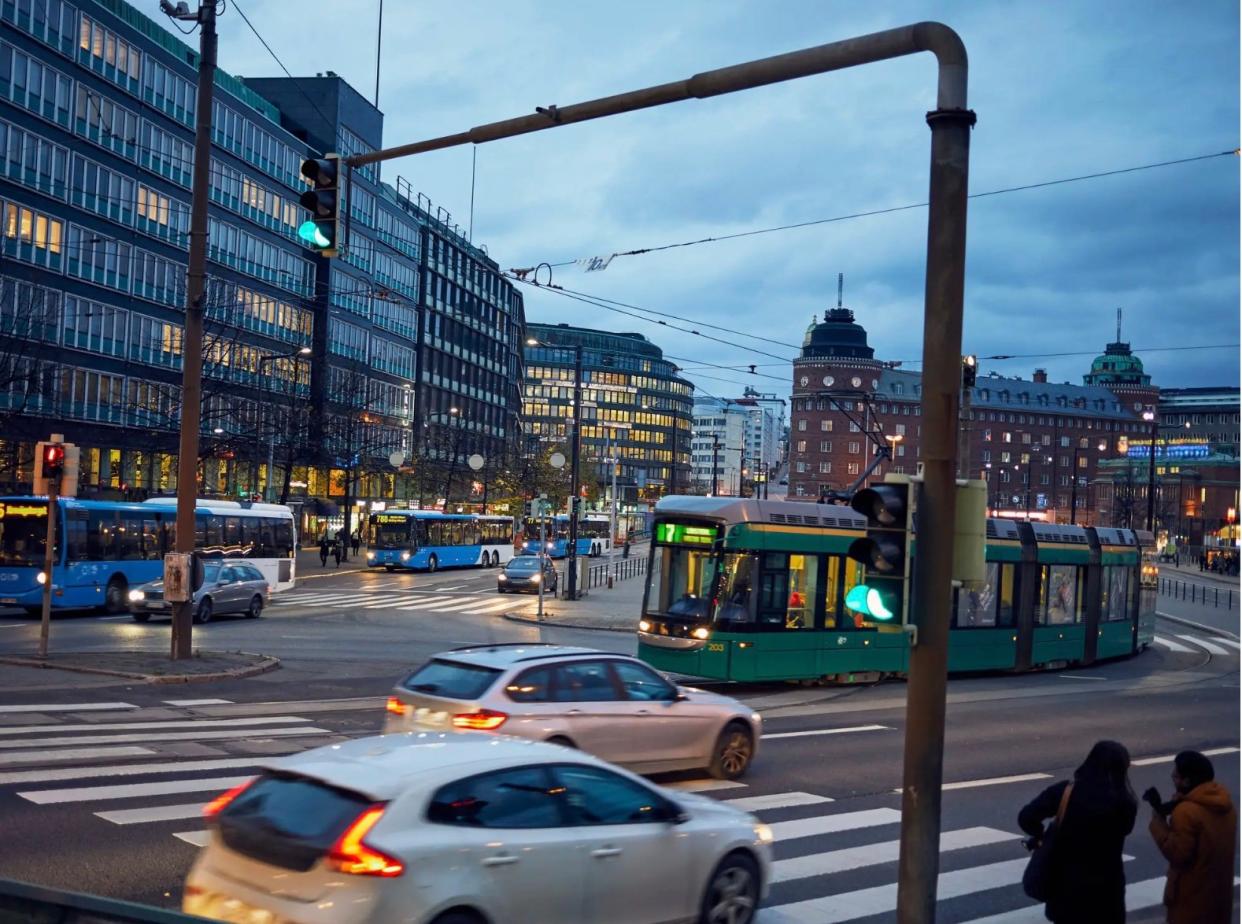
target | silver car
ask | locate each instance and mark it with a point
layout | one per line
(611, 705)
(228, 587)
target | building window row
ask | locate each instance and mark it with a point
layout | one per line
(33, 161)
(53, 22)
(104, 52)
(230, 245)
(169, 92)
(34, 86)
(240, 193)
(32, 236)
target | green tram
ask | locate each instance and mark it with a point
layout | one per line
(741, 589)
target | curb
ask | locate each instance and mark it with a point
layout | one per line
(262, 667)
(516, 617)
(1190, 623)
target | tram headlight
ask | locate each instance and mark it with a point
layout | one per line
(702, 632)
(137, 596)
(41, 577)
(644, 625)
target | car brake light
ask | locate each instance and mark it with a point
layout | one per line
(350, 854)
(485, 719)
(213, 808)
(396, 707)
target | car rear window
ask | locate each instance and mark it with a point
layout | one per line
(451, 679)
(288, 821)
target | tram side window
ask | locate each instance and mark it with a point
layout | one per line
(1118, 597)
(804, 589)
(831, 586)
(1060, 590)
(1005, 605)
(977, 608)
(735, 576)
(855, 574)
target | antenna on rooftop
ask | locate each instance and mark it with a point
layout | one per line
(1119, 325)
(840, 287)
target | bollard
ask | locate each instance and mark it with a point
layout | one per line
(610, 582)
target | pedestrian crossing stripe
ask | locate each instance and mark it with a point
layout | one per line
(145, 738)
(1215, 646)
(1172, 645)
(1209, 647)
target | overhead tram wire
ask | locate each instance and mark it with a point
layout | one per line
(917, 205)
(1164, 349)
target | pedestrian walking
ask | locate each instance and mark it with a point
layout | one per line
(625, 549)
(1085, 882)
(342, 541)
(1197, 833)
(323, 551)
(355, 542)
(338, 552)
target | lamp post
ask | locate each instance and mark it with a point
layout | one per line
(448, 485)
(296, 356)
(1150, 415)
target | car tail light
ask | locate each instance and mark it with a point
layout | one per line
(485, 719)
(351, 854)
(396, 707)
(214, 807)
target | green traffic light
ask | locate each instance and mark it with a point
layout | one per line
(309, 232)
(869, 602)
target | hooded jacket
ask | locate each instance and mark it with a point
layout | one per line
(1198, 841)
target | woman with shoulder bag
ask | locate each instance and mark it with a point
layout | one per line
(1077, 871)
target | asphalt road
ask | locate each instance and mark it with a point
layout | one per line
(118, 815)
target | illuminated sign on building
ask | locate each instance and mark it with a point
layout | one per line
(1170, 449)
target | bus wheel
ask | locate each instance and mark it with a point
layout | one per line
(114, 596)
(432, 564)
(495, 559)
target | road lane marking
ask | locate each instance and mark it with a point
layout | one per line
(995, 781)
(497, 605)
(131, 790)
(434, 601)
(157, 726)
(1168, 643)
(1167, 758)
(1079, 677)
(776, 801)
(168, 736)
(1230, 642)
(1139, 895)
(832, 824)
(153, 813)
(702, 785)
(826, 731)
(68, 707)
(391, 602)
(450, 607)
(197, 702)
(77, 773)
(850, 858)
(41, 756)
(1203, 643)
(196, 838)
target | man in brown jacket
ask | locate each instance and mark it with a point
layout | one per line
(1198, 841)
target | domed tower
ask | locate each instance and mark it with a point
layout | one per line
(1121, 372)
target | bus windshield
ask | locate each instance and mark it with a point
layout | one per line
(23, 533)
(391, 532)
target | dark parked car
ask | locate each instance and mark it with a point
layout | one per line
(228, 587)
(523, 573)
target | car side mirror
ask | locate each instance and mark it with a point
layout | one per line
(674, 814)
(680, 696)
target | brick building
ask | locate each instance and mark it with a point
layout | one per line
(1037, 443)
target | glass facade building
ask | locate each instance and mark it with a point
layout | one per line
(315, 371)
(635, 407)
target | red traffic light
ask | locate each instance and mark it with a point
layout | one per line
(53, 459)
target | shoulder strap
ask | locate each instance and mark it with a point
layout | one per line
(1065, 795)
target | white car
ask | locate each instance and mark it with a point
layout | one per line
(469, 828)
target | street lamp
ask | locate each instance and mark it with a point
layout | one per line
(1150, 416)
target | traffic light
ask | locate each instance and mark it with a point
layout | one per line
(970, 370)
(323, 201)
(884, 551)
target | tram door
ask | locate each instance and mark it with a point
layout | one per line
(1091, 597)
(1024, 603)
(773, 599)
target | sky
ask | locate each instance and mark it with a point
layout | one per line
(1061, 90)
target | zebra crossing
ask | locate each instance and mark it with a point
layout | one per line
(411, 601)
(836, 861)
(1189, 643)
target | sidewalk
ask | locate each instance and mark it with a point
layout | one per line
(308, 562)
(614, 610)
(1184, 571)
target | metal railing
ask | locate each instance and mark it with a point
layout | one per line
(1198, 593)
(23, 902)
(608, 573)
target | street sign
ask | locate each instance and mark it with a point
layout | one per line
(396, 459)
(557, 460)
(475, 462)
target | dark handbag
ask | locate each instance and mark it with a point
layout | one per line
(1037, 880)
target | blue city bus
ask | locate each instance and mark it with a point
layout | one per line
(104, 548)
(593, 535)
(427, 540)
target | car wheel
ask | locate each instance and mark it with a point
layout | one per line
(732, 895)
(256, 607)
(141, 617)
(562, 741)
(202, 615)
(432, 564)
(116, 595)
(733, 751)
(459, 917)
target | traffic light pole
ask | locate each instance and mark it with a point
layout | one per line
(922, 776)
(575, 453)
(192, 354)
(45, 620)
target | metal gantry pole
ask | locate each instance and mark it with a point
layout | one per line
(196, 287)
(575, 452)
(1151, 477)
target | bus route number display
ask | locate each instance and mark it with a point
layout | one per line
(22, 510)
(684, 534)
(387, 518)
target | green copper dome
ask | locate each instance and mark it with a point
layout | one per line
(1117, 366)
